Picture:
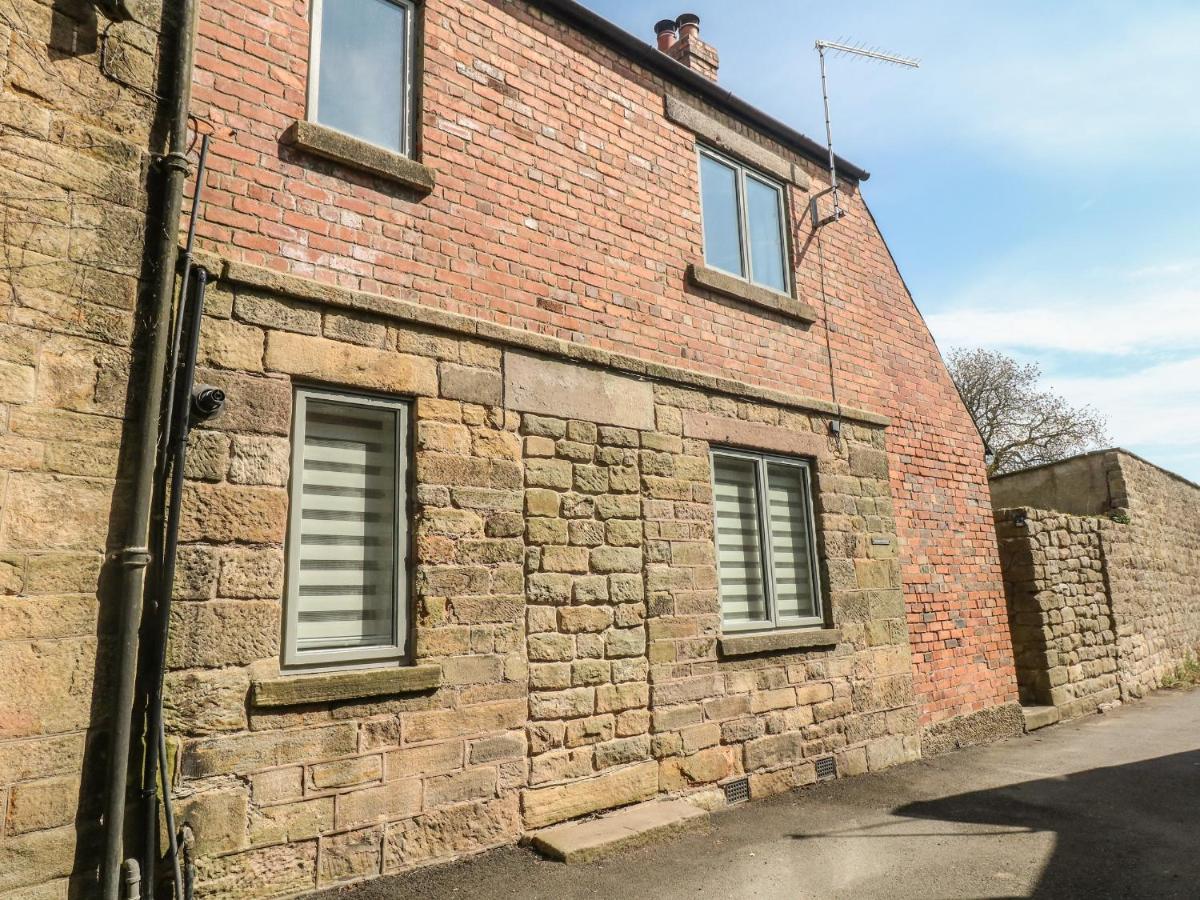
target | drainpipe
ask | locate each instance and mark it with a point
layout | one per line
(134, 555)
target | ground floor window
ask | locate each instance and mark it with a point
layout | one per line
(765, 541)
(346, 599)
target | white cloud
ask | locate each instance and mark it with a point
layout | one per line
(1021, 317)
(1154, 412)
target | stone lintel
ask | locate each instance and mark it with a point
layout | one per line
(326, 687)
(773, 641)
(358, 154)
(721, 137)
(751, 294)
(570, 391)
(420, 315)
(759, 436)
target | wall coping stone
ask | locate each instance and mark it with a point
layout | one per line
(329, 143)
(722, 137)
(771, 641)
(753, 294)
(324, 687)
(298, 287)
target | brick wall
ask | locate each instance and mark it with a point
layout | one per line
(1104, 606)
(567, 205)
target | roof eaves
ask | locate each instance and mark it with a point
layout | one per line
(600, 28)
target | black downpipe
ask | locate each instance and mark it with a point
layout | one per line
(193, 312)
(172, 447)
(134, 555)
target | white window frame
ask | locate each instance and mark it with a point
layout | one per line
(410, 73)
(741, 173)
(349, 657)
(774, 621)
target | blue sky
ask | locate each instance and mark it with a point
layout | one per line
(1036, 178)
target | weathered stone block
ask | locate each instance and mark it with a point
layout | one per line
(444, 833)
(206, 701)
(472, 385)
(217, 633)
(354, 854)
(225, 514)
(473, 784)
(256, 459)
(333, 361)
(394, 800)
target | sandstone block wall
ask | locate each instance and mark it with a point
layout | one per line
(1102, 606)
(74, 150)
(1064, 636)
(564, 583)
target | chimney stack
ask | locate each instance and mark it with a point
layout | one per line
(686, 47)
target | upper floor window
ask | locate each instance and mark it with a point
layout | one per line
(361, 73)
(766, 551)
(743, 214)
(346, 594)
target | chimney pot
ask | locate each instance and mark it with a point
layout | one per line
(688, 25)
(664, 29)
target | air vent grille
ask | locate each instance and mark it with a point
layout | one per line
(737, 791)
(826, 768)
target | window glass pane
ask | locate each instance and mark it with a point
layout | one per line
(363, 70)
(347, 543)
(739, 554)
(788, 516)
(722, 232)
(766, 234)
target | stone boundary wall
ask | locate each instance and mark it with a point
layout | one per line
(1102, 606)
(1064, 638)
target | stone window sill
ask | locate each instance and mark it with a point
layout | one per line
(357, 154)
(772, 641)
(327, 687)
(751, 294)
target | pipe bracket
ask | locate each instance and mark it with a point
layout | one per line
(134, 557)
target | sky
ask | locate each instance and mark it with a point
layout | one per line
(1036, 178)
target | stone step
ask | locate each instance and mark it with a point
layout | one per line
(633, 826)
(1040, 716)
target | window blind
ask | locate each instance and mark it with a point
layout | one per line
(739, 554)
(788, 517)
(348, 496)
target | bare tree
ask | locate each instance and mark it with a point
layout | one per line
(1021, 423)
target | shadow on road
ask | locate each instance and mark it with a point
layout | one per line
(1121, 831)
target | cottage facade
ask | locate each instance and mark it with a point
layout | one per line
(566, 460)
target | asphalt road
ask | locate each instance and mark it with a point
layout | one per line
(1105, 807)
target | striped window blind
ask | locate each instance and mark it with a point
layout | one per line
(765, 544)
(347, 528)
(739, 553)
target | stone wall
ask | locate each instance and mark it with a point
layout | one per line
(1102, 607)
(564, 585)
(1155, 575)
(74, 151)
(1064, 638)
